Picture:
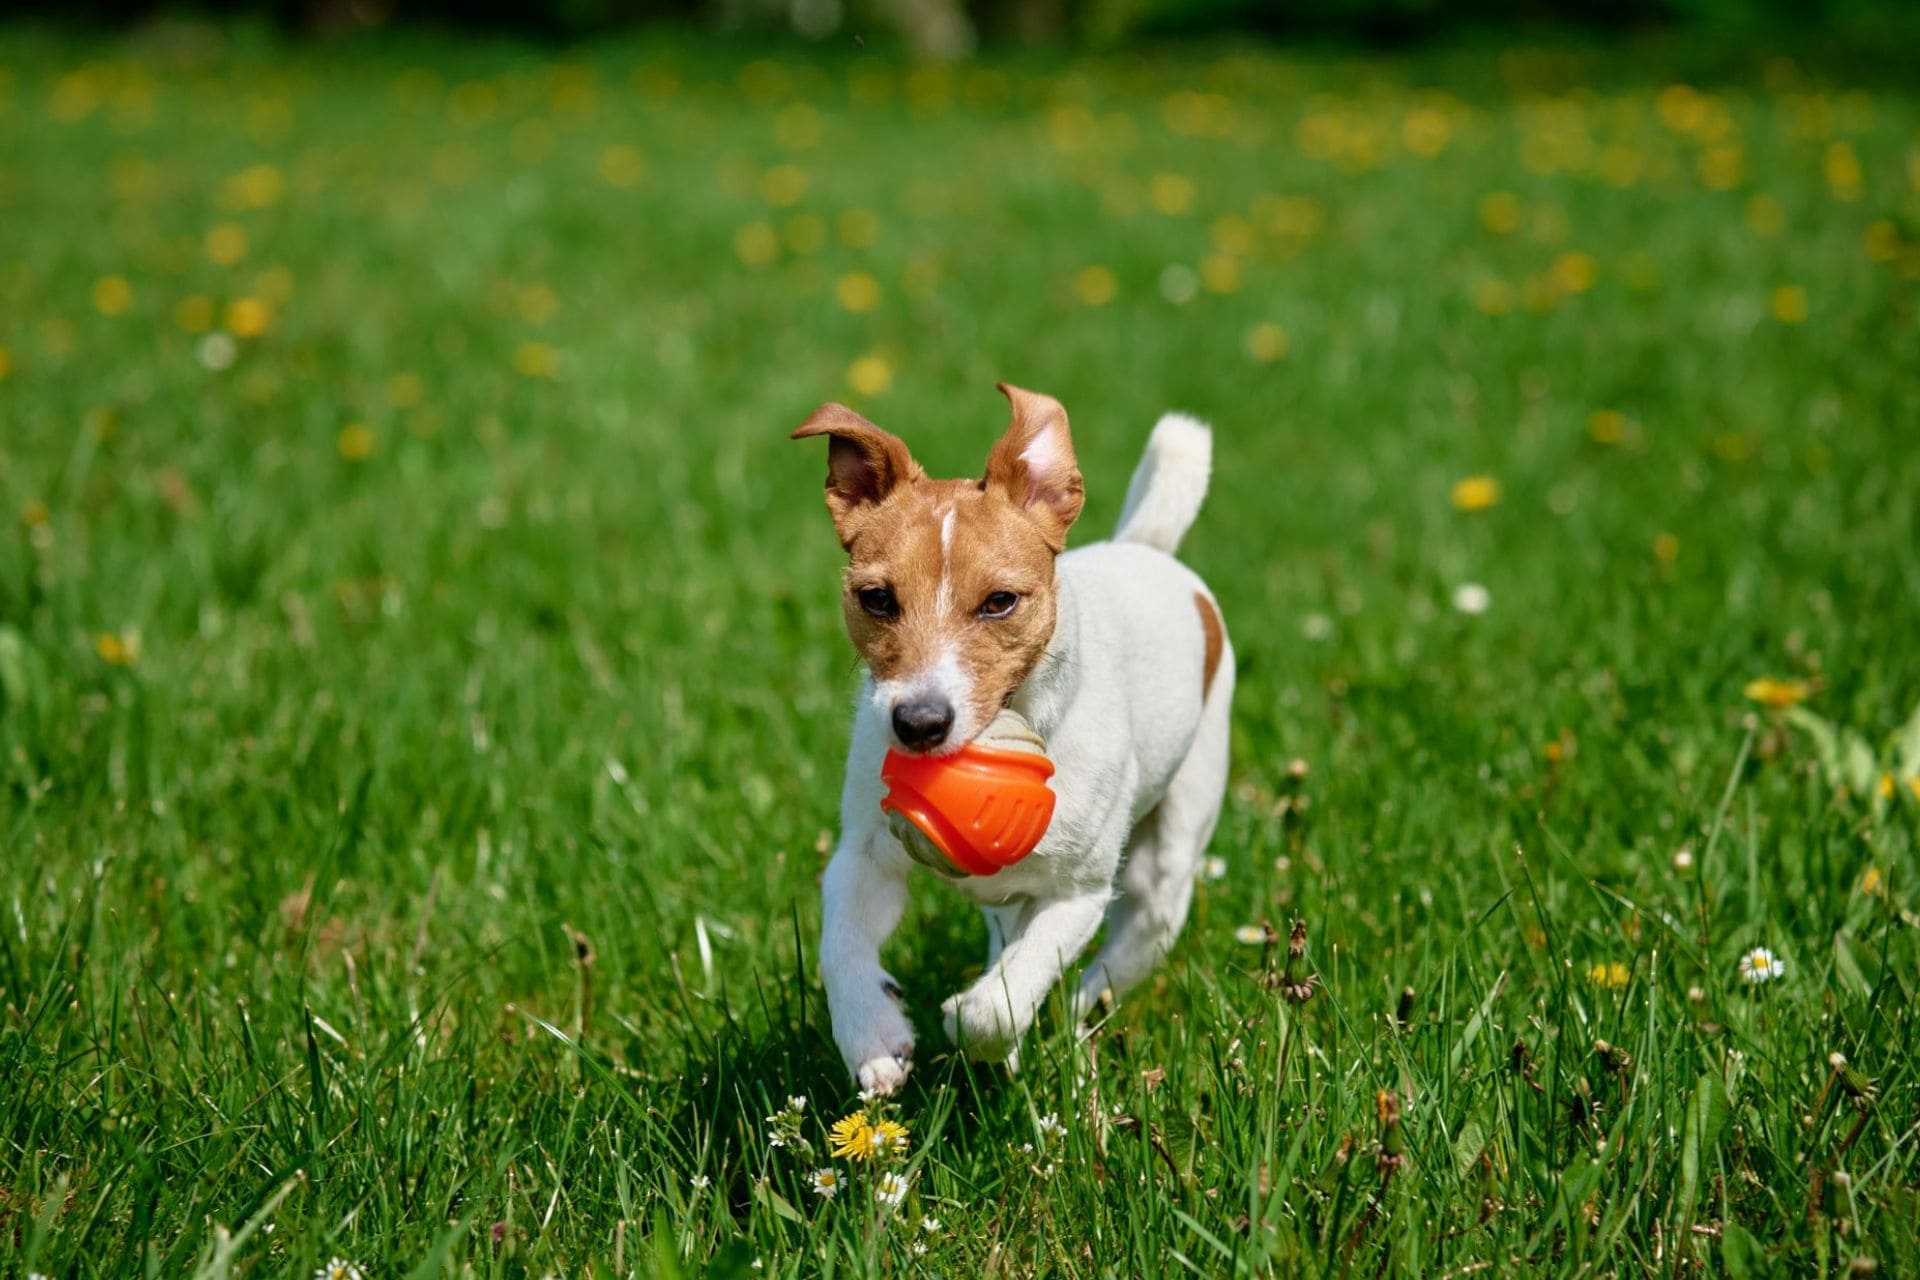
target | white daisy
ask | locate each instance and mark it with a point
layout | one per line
(930, 1225)
(1471, 598)
(891, 1189)
(701, 1182)
(1049, 1126)
(1761, 965)
(339, 1269)
(797, 1102)
(919, 1248)
(826, 1183)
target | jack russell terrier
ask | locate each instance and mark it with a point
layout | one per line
(960, 601)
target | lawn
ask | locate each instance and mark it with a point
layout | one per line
(422, 683)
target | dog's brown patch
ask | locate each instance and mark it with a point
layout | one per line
(1216, 638)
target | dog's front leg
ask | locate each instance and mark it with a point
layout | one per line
(988, 1018)
(862, 898)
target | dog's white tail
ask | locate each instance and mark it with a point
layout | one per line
(1169, 484)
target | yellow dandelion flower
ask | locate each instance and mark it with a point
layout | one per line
(1607, 426)
(1666, 548)
(112, 295)
(1788, 304)
(851, 1138)
(254, 187)
(1493, 297)
(1882, 240)
(248, 317)
(1476, 493)
(1885, 787)
(622, 166)
(1500, 212)
(1267, 342)
(1842, 168)
(806, 233)
(534, 360)
(755, 244)
(858, 228)
(1870, 881)
(194, 313)
(785, 184)
(858, 291)
(887, 1138)
(1575, 271)
(1765, 217)
(226, 244)
(1171, 193)
(870, 375)
(1425, 132)
(1221, 274)
(1613, 975)
(121, 650)
(405, 390)
(1096, 286)
(356, 442)
(1775, 693)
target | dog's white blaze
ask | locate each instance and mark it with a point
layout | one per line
(943, 598)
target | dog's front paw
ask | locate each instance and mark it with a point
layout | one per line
(878, 1048)
(885, 1075)
(982, 1024)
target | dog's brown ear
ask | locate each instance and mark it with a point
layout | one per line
(1033, 464)
(864, 464)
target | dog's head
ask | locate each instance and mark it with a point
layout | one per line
(949, 589)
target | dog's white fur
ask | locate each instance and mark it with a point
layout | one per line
(1140, 770)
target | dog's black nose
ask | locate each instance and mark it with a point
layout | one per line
(921, 726)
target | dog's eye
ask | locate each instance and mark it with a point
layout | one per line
(999, 604)
(879, 602)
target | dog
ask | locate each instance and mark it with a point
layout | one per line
(961, 598)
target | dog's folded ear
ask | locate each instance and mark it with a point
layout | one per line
(1033, 465)
(864, 464)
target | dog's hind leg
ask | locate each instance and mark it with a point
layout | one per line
(1155, 886)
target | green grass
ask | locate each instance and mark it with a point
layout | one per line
(411, 857)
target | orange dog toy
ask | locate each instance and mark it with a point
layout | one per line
(979, 809)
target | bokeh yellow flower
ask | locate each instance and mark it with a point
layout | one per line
(1842, 167)
(858, 228)
(1788, 304)
(1666, 547)
(194, 313)
(112, 295)
(1882, 240)
(405, 390)
(1476, 493)
(1267, 342)
(1607, 426)
(120, 649)
(857, 291)
(1776, 693)
(1170, 193)
(755, 244)
(248, 317)
(255, 187)
(622, 165)
(1500, 212)
(1575, 271)
(226, 244)
(534, 360)
(1221, 273)
(785, 184)
(1492, 296)
(1612, 975)
(356, 442)
(870, 375)
(1096, 286)
(1765, 217)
